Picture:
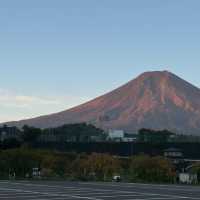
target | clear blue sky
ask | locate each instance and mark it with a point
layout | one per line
(58, 53)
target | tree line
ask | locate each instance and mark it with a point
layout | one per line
(82, 132)
(28, 135)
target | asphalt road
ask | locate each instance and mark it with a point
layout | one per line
(50, 190)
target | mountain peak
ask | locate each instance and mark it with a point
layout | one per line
(154, 74)
(153, 79)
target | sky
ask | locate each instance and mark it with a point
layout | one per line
(55, 54)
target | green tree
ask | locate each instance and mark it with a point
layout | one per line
(151, 169)
(30, 134)
(20, 161)
(196, 169)
(97, 166)
(153, 136)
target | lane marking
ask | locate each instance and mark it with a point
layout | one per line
(160, 198)
(52, 195)
(121, 195)
(135, 185)
(130, 185)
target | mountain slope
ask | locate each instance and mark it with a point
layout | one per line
(157, 100)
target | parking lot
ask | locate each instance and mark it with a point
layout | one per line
(45, 190)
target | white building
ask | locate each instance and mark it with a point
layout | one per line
(188, 178)
(115, 135)
(129, 139)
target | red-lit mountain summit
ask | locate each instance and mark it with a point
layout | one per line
(156, 100)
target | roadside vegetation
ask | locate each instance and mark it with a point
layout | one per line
(94, 167)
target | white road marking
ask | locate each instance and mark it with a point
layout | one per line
(159, 198)
(130, 185)
(120, 195)
(169, 189)
(52, 195)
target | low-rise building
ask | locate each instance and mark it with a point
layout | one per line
(173, 153)
(115, 135)
(121, 136)
(128, 137)
(188, 178)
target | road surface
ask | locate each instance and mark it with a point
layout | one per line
(52, 190)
